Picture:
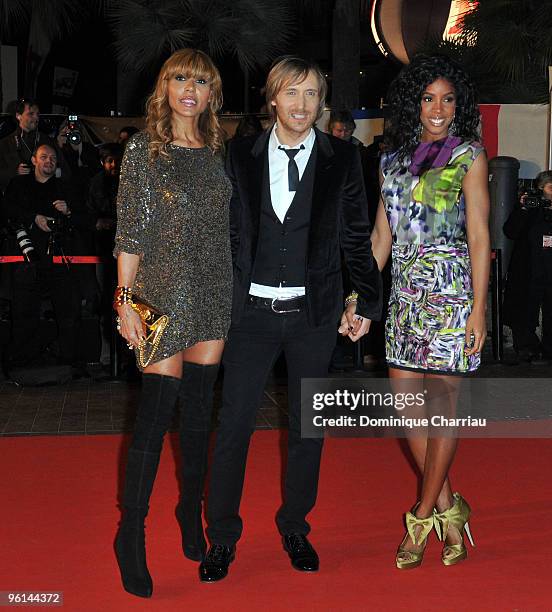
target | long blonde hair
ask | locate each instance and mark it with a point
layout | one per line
(193, 64)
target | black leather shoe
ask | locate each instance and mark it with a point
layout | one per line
(302, 554)
(217, 560)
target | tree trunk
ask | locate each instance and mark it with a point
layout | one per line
(346, 54)
(128, 92)
(1, 81)
(38, 48)
(245, 90)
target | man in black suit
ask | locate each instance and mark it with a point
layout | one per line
(298, 198)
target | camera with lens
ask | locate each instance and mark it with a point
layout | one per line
(536, 199)
(73, 130)
(61, 229)
(25, 243)
(58, 225)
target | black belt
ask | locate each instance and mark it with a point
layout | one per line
(295, 304)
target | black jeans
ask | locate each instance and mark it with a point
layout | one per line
(251, 350)
(538, 297)
(31, 282)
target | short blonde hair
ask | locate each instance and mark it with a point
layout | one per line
(193, 64)
(291, 69)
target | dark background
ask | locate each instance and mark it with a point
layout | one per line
(90, 52)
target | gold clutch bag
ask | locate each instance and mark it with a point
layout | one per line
(154, 324)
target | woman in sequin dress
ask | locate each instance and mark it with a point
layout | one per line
(173, 251)
(433, 220)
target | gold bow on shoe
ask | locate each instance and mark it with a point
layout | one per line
(456, 516)
(413, 521)
(409, 559)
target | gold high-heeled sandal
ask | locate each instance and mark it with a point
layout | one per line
(408, 559)
(456, 516)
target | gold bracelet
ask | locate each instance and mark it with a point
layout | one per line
(123, 295)
(352, 298)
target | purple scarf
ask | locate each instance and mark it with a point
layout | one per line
(433, 154)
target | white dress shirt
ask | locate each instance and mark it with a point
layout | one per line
(282, 197)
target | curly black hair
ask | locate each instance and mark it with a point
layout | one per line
(405, 96)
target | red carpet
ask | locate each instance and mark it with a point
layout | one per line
(58, 518)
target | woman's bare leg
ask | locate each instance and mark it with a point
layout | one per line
(442, 396)
(171, 366)
(433, 455)
(204, 353)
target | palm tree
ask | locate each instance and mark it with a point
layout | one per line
(345, 53)
(48, 21)
(146, 32)
(506, 46)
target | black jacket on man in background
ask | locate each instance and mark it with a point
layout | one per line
(26, 198)
(16, 148)
(529, 280)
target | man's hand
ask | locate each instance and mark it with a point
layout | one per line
(353, 325)
(42, 222)
(23, 169)
(61, 206)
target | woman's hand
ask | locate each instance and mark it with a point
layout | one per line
(353, 325)
(476, 333)
(130, 326)
(476, 191)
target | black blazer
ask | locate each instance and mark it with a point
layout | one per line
(339, 219)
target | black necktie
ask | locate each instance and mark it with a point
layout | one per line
(293, 170)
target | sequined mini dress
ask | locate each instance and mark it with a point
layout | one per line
(175, 214)
(431, 293)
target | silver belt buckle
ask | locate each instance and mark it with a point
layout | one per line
(282, 311)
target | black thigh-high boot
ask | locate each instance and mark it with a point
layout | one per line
(157, 403)
(196, 411)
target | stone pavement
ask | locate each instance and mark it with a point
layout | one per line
(92, 406)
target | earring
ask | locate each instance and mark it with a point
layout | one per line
(452, 128)
(419, 131)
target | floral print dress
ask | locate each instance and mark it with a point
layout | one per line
(431, 294)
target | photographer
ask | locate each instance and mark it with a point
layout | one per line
(77, 158)
(37, 204)
(17, 148)
(342, 125)
(529, 282)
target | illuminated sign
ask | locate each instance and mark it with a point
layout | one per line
(458, 10)
(401, 27)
